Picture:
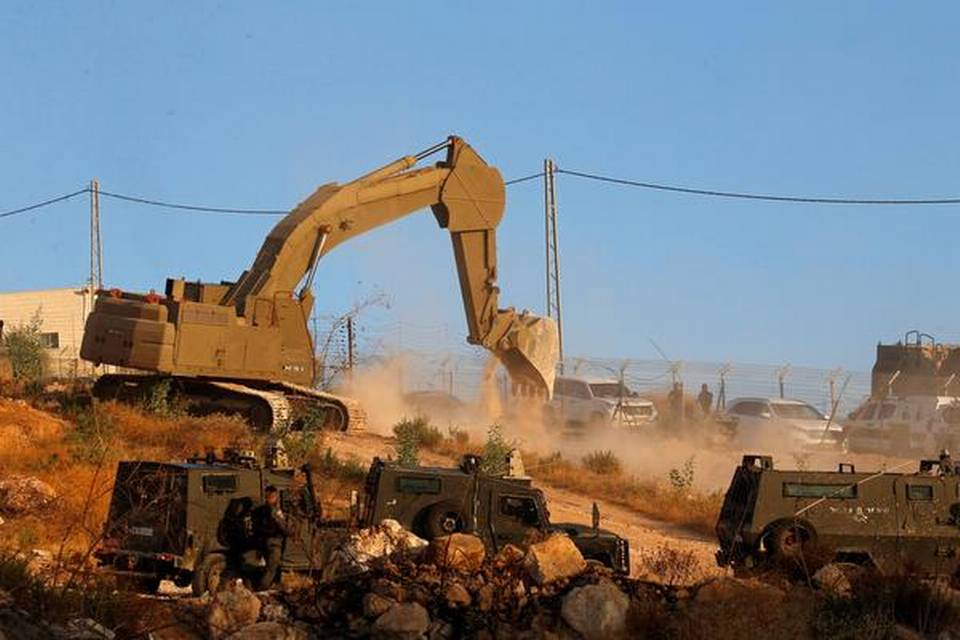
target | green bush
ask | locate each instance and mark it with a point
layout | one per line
(411, 436)
(681, 479)
(495, 451)
(91, 435)
(24, 345)
(329, 465)
(602, 463)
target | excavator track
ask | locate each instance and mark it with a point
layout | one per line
(272, 407)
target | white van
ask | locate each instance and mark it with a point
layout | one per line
(905, 425)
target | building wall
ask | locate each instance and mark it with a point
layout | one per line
(62, 313)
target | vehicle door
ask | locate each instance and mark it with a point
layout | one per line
(750, 416)
(515, 517)
(927, 521)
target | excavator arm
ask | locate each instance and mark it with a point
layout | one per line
(467, 198)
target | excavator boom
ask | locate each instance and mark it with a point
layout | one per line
(249, 341)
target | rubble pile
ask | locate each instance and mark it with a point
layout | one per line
(454, 589)
(20, 495)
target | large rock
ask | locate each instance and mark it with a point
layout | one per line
(231, 609)
(597, 611)
(403, 621)
(385, 540)
(838, 578)
(459, 551)
(456, 595)
(270, 631)
(375, 605)
(553, 559)
(21, 495)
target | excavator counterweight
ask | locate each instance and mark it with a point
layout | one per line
(246, 343)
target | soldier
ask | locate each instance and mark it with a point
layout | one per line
(946, 463)
(705, 399)
(271, 530)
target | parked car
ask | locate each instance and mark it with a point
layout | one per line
(597, 403)
(905, 424)
(782, 422)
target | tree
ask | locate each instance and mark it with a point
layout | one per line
(24, 345)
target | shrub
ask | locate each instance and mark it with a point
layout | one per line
(301, 445)
(159, 400)
(458, 435)
(682, 479)
(331, 466)
(672, 566)
(91, 435)
(411, 435)
(496, 450)
(28, 357)
(602, 463)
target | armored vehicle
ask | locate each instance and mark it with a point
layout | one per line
(190, 521)
(884, 520)
(501, 510)
(184, 521)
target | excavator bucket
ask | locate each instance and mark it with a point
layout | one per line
(530, 351)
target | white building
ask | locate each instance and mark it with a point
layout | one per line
(62, 314)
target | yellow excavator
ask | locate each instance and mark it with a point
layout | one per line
(244, 347)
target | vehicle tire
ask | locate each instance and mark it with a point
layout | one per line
(207, 576)
(789, 541)
(442, 520)
(138, 584)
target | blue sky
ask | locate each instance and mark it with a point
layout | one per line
(255, 104)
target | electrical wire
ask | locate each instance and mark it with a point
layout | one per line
(756, 196)
(192, 207)
(532, 176)
(13, 212)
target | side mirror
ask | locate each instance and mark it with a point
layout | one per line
(596, 518)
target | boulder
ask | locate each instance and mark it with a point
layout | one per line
(838, 578)
(553, 559)
(485, 597)
(403, 621)
(456, 595)
(597, 611)
(21, 495)
(459, 551)
(387, 540)
(231, 609)
(375, 605)
(270, 631)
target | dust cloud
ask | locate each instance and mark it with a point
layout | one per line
(649, 452)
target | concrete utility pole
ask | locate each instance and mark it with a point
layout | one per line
(553, 249)
(96, 248)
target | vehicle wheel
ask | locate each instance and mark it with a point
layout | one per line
(138, 584)
(207, 576)
(442, 520)
(789, 541)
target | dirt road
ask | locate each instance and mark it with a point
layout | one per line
(565, 506)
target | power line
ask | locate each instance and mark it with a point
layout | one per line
(45, 203)
(532, 176)
(193, 207)
(757, 196)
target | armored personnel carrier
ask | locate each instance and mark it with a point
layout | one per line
(882, 519)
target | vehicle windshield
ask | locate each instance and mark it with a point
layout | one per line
(610, 390)
(796, 411)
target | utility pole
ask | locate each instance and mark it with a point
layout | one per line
(722, 395)
(553, 249)
(96, 254)
(782, 374)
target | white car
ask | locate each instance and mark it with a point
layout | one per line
(778, 422)
(597, 403)
(905, 425)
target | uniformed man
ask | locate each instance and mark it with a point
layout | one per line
(705, 399)
(271, 530)
(946, 463)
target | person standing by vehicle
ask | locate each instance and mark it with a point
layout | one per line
(271, 529)
(705, 399)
